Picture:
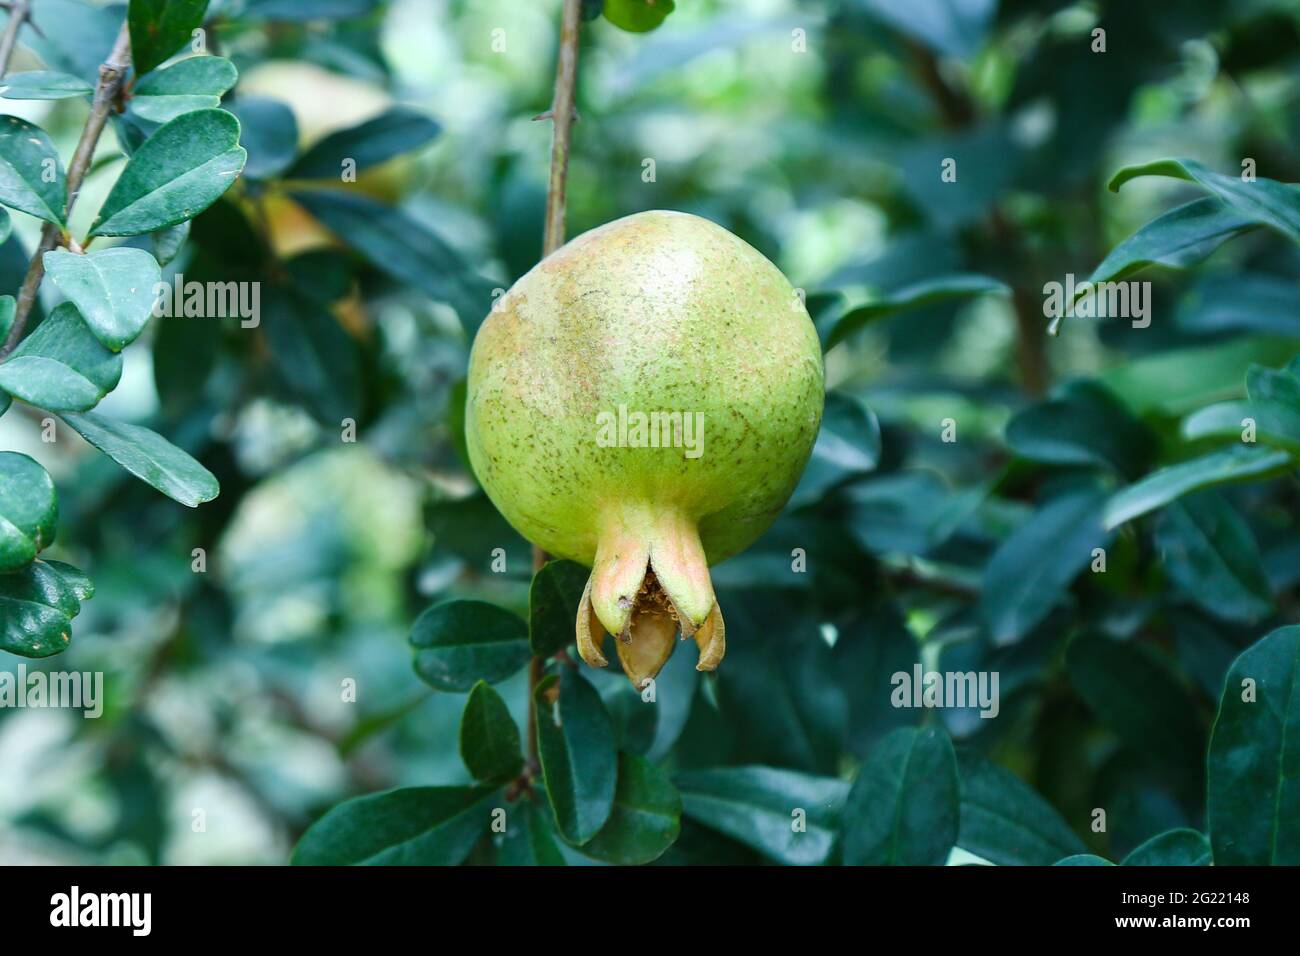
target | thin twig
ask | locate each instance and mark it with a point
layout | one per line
(19, 11)
(562, 114)
(111, 74)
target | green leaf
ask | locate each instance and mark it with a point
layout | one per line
(458, 643)
(113, 289)
(167, 242)
(412, 826)
(905, 806)
(489, 739)
(375, 141)
(1265, 201)
(638, 16)
(1030, 572)
(37, 605)
(553, 600)
(159, 28)
(1178, 239)
(579, 758)
(951, 27)
(645, 819)
(192, 84)
(529, 839)
(1275, 424)
(43, 85)
(789, 817)
(1208, 551)
(1133, 690)
(1084, 425)
(1181, 847)
(1084, 859)
(269, 131)
(1236, 463)
(31, 173)
(61, 366)
(177, 173)
(402, 247)
(149, 457)
(1273, 386)
(1253, 803)
(848, 445)
(29, 511)
(1005, 821)
(6, 228)
(315, 357)
(926, 292)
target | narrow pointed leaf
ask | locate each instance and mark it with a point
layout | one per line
(149, 457)
(489, 739)
(43, 85)
(397, 131)
(579, 759)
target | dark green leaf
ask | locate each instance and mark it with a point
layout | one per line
(167, 243)
(1084, 859)
(149, 457)
(1133, 690)
(1084, 425)
(1275, 424)
(529, 839)
(645, 819)
(31, 174)
(1180, 847)
(1253, 804)
(1236, 463)
(489, 739)
(269, 131)
(375, 141)
(1209, 552)
(61, 366)
(177, 173)
(1178, 239)
(37, 605)
(847, 445)
(579, 758)
(113, 289)
(459, 643)
(1029, 573)
(316, 358)
(43, 85)
(951, 27)
(413, 826)
(29, 510)
(1265, 201)
(926, 292)
(789, 817)
(159, 28)
(553, 602)
(905, 806)
(1005, 822)
(192, 84)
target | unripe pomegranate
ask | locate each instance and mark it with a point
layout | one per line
(643, 401)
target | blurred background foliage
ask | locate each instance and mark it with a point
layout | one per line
(223, 688)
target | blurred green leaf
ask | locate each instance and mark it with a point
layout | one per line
(413, 826)
(1084, 425)
(1030, 572)
(1180, 847)
(178, 172)
(269, 131)
(553, 600)
(29, 511)
(925, 292)
(1005, 821)
(458, 643)
(43, 85)
(529, 839)
(951, 27)
(579, 759)
(31, 174)
(789, 817)
(1265, 201)
(1178, 239)
(316, 359)
(149, 457)
(159, 28)
(905, 805)
(848, 444)
(1208, 551)
(489, 739)
(637, 16)
(1253, 805)
(392, 133)
(645, 819)
(113, 289)
(1236, 463)
(37, 605)
(61, 366)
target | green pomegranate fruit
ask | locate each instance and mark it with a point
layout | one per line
(643, 401)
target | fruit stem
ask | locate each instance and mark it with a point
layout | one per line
(562, 109)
